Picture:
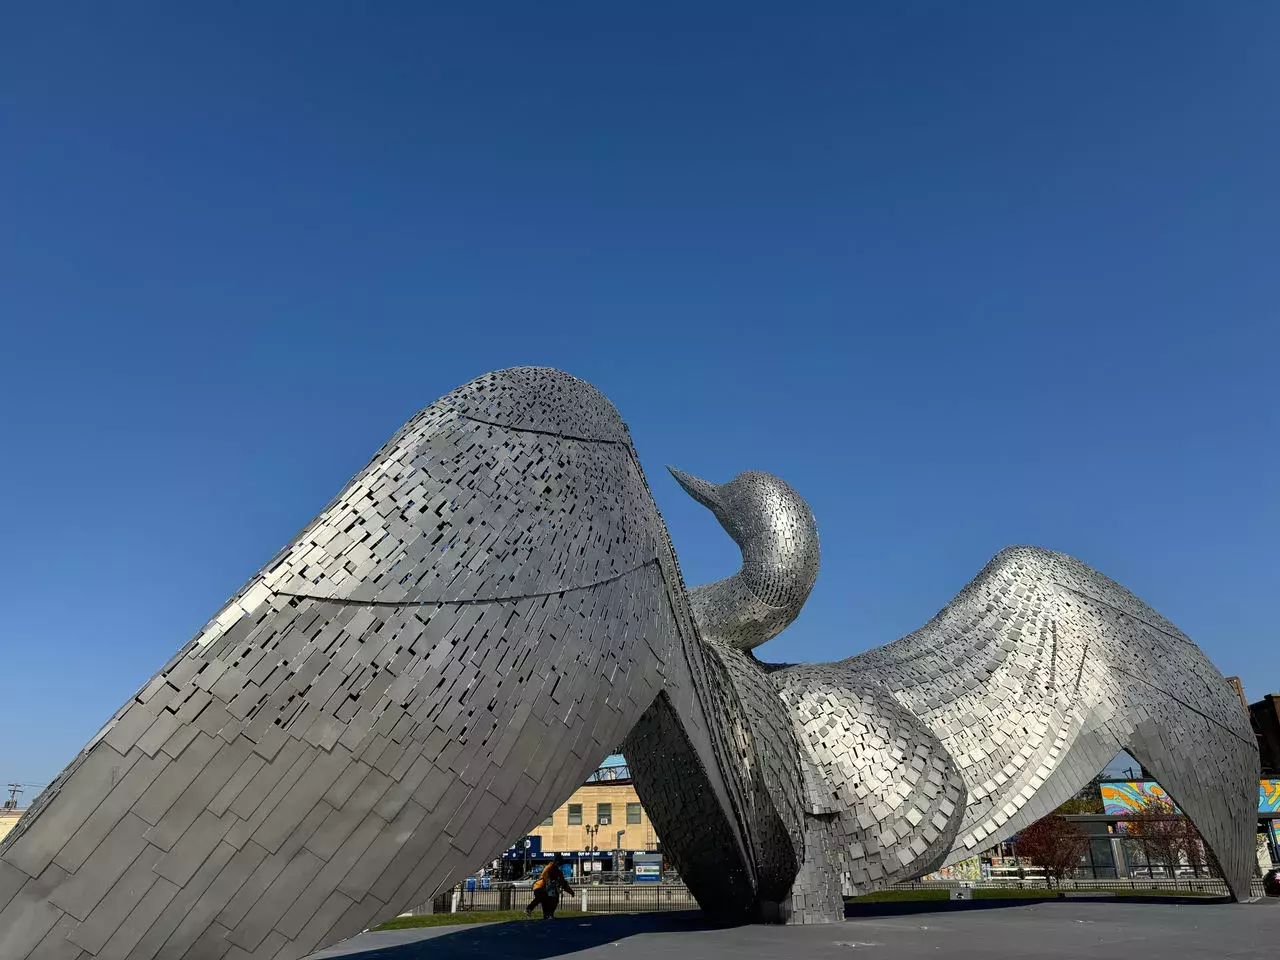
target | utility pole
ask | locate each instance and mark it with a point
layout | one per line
(12, 802)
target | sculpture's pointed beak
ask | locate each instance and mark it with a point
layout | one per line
(707, 494)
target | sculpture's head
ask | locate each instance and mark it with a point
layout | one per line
(778, 536)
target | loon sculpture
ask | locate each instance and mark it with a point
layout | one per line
(925, 751)
(493, 604)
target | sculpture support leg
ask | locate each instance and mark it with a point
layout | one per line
(1202, 789)
(678, 797)
(817, 896)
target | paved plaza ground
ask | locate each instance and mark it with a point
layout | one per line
(963, 931)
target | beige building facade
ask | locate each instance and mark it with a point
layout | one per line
(610, 806)
(8, 819)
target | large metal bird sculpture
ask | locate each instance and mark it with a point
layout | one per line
(490, 606)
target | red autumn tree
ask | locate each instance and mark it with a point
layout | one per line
(1054, 844)
(1168, 837)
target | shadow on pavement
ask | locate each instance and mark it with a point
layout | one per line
(533, 939)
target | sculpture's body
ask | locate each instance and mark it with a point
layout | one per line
(493, 604)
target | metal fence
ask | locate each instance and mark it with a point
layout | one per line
(593, 898)
(631, 898)
(652, 897)
(1206, 885)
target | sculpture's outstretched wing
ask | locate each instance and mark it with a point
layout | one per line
(425, 672)
(1040, 671)
(883, 797)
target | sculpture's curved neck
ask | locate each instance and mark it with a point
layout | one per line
(778, 536)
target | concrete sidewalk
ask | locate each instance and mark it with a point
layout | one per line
(1060, 930)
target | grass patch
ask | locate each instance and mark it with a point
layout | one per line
(467, 916)
(880, 896)
(1017, 893)
(899, 896)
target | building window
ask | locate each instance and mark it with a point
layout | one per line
(575, 814)
(633, 813)
(550, 821)
(604, 814)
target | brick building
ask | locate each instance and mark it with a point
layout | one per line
(1265, 716)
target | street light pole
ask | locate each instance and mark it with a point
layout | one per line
(591, 831)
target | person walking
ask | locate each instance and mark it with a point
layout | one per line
(546, 889)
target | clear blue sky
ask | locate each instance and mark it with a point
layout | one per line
(966, 275)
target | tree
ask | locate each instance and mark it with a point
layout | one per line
(1161, 830)
(1080, 805)
(1170, 838)
(1087, 800)
(1054, 844)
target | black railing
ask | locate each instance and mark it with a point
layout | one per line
(652, 897)
(593, 898)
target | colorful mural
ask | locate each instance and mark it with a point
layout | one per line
(970, 869)
(1269, 802)
(1269, 796)
(1128, 796)
(1131, 796)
